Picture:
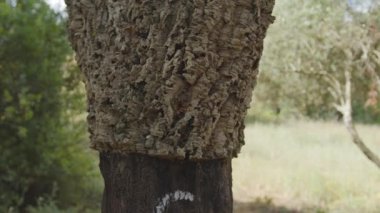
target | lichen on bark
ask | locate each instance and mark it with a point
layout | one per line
(170, 78)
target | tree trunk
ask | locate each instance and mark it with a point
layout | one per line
(140, 183)
(170, 79)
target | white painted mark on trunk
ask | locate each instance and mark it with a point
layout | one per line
(173, 197)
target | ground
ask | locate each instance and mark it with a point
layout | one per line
(305, 166)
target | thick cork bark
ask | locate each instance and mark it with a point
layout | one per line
(169, 78)
(142, 184)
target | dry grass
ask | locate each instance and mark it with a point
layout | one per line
(307, 166)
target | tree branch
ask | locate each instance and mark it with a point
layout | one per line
(344, 105)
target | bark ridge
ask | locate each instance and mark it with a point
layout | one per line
(170, 78)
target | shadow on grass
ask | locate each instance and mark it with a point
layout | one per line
(265, 205)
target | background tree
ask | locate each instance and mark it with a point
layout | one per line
(42, 154)
(335, 61)
(170, 80)
(310, 37)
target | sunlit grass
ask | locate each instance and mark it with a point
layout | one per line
(308, 164)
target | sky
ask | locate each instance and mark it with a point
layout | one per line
(361, 5)
(57, 5)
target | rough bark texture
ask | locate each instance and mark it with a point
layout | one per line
(169, 78)
(139, 183)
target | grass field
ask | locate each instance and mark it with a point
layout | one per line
(306, 167)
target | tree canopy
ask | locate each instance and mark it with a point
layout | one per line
(310, 38)
(41, 105)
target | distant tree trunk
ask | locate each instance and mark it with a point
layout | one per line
(345, 107)
(168, 86)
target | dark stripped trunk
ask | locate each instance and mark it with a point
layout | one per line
(139, 183)
(168, 85)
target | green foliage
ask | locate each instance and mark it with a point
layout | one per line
(41, 100)
(313, 37)
(50, 206)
